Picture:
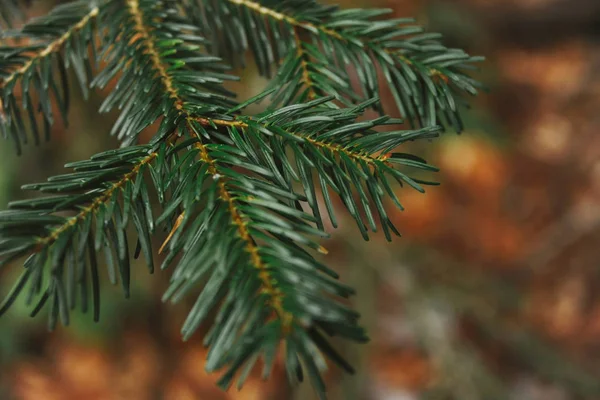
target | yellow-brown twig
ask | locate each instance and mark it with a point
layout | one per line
(268, 287)
(282, 17)
(97, 203)
(178, 222)
(301, 53)
(144, 34)
(334, 148)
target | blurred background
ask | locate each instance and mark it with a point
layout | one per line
(492, 293)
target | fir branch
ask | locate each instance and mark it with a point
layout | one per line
(56, 42)
(240, 221)
(106, 191)
(343, 153)
(181, 116)
(98, 202)
(53, 46)
(226, 182)
(144, 35)
(425, 77)
(162, 75)
(240, 225)
(235, 215)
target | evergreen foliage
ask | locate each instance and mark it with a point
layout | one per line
(9, 11)
(238, 194)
